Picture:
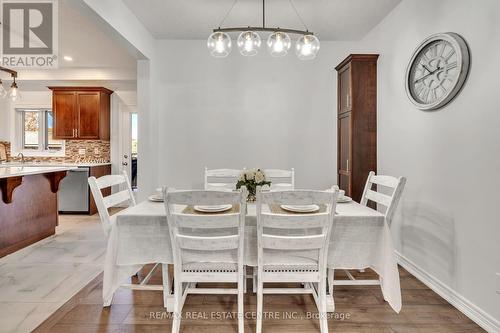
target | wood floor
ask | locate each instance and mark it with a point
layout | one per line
(358, 309)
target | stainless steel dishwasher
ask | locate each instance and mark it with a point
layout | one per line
(74, 191)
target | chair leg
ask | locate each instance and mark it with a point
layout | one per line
(166, 285)
(323, 322)
(254, 280)
(331, 275)
(241, 318)
(260, 295)
(176, 323)
(245, 280)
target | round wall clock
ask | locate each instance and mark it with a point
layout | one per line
(437, 70)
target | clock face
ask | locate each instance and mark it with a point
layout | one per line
(437, 71)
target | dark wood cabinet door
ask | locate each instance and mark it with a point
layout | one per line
(344, 149)
(345, 95)
(64, 109)
(345, 183)
(88, 115)
(357, 122)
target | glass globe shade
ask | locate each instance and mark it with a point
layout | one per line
(249, 43)
(278, 44)
(307, 47)
(219, 44)
(14, 94)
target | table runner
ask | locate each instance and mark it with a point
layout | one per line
(360, 239)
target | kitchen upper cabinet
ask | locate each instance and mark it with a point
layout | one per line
(81, 113)
(356, 122)
(64, 121)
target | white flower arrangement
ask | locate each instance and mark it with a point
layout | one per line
(251, 179)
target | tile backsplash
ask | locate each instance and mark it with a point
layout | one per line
(73, 148)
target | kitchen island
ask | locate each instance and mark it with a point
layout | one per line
(28, 205)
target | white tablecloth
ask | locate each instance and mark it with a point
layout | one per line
(360, 239)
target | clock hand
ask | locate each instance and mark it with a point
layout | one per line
(427, 75)
(426, 68)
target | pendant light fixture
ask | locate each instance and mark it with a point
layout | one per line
(249, 41)
(307, 47)
(219, 44)
(13, 92)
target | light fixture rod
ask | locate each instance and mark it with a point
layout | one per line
(290, 31)
(263, 13)
(12, 73)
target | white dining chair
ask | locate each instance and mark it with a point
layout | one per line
(125, 196)
(281, 179)
(294, 247)
(221, 179)
(206, 247)
(115, 199)
(376, 189)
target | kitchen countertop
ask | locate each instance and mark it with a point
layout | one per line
(53, 164)
(16, 171)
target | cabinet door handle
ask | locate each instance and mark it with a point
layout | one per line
(348, 101)
(73, 133)
(347, 165)
(76, 132)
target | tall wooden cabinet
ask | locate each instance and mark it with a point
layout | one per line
(81, 113)
(357, 122)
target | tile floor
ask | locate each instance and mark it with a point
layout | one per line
(37, 280)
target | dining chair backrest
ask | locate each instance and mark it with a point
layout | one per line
(104, 203)
(206, 237)
(390, 201)
(281, 179)
(221, 179)
(281, 232)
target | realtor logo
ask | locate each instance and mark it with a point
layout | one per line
(29, 33)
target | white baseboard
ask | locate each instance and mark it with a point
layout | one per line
(465, 306)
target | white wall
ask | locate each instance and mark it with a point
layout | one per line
(4, 120)
(246, 112)
(449, 223)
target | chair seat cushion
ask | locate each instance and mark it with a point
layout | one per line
(196, 267)
(292, 261)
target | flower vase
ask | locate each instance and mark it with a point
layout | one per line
(252, 193)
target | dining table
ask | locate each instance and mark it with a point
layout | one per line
(360, 239)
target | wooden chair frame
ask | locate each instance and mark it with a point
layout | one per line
(389, 201)
(313, 279)
(118, 198)
(276, 175)
(211, 266)
(223, 175)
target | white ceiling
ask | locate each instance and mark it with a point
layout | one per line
(99, 58)
(85, 38)
(335, 20)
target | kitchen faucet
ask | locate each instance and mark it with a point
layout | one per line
(22, 157)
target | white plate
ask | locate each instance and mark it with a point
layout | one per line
(344, 199)
(212, 208)
(155, 198)
(301, 208)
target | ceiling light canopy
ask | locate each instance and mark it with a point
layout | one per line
(249, 41)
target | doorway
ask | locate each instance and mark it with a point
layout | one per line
(128, 144)
(133, 149)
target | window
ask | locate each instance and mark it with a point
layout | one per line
(36, 131)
